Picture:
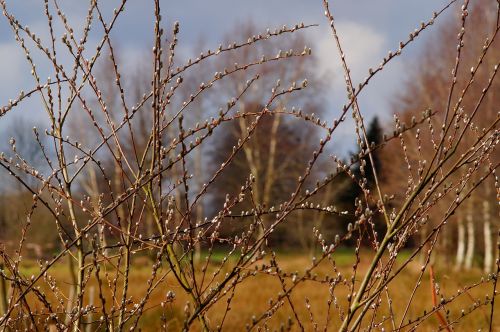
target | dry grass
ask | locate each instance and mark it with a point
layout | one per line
(124, 174)
(252, 296)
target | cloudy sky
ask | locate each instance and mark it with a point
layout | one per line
(368, 29)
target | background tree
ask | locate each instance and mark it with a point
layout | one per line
(430, 90)
(281, 146)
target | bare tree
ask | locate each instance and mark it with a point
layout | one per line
(143, 146)
(431, 91)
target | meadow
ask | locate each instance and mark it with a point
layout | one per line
(310, 298)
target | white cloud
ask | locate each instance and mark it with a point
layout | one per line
(363, 46)
(14, 77)
(11, 64)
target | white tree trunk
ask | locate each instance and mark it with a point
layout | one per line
(199, 207)
(92, 188)
(460, 244)
(90, 317)
(488, 243)
(470, 237)
(4, 304)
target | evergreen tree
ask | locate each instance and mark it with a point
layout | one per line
(375, 136)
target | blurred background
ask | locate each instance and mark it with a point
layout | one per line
(411, 83)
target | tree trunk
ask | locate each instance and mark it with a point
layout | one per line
(488, 243)
(90, 317)
(301, 232)
(199, 206)
(4, 304)
(460, 244)
(470, 237)
(92, 188)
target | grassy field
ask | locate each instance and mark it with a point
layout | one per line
(252, 297)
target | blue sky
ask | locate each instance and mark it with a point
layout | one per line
(368, 29)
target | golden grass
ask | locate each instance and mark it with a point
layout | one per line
(252, 296)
